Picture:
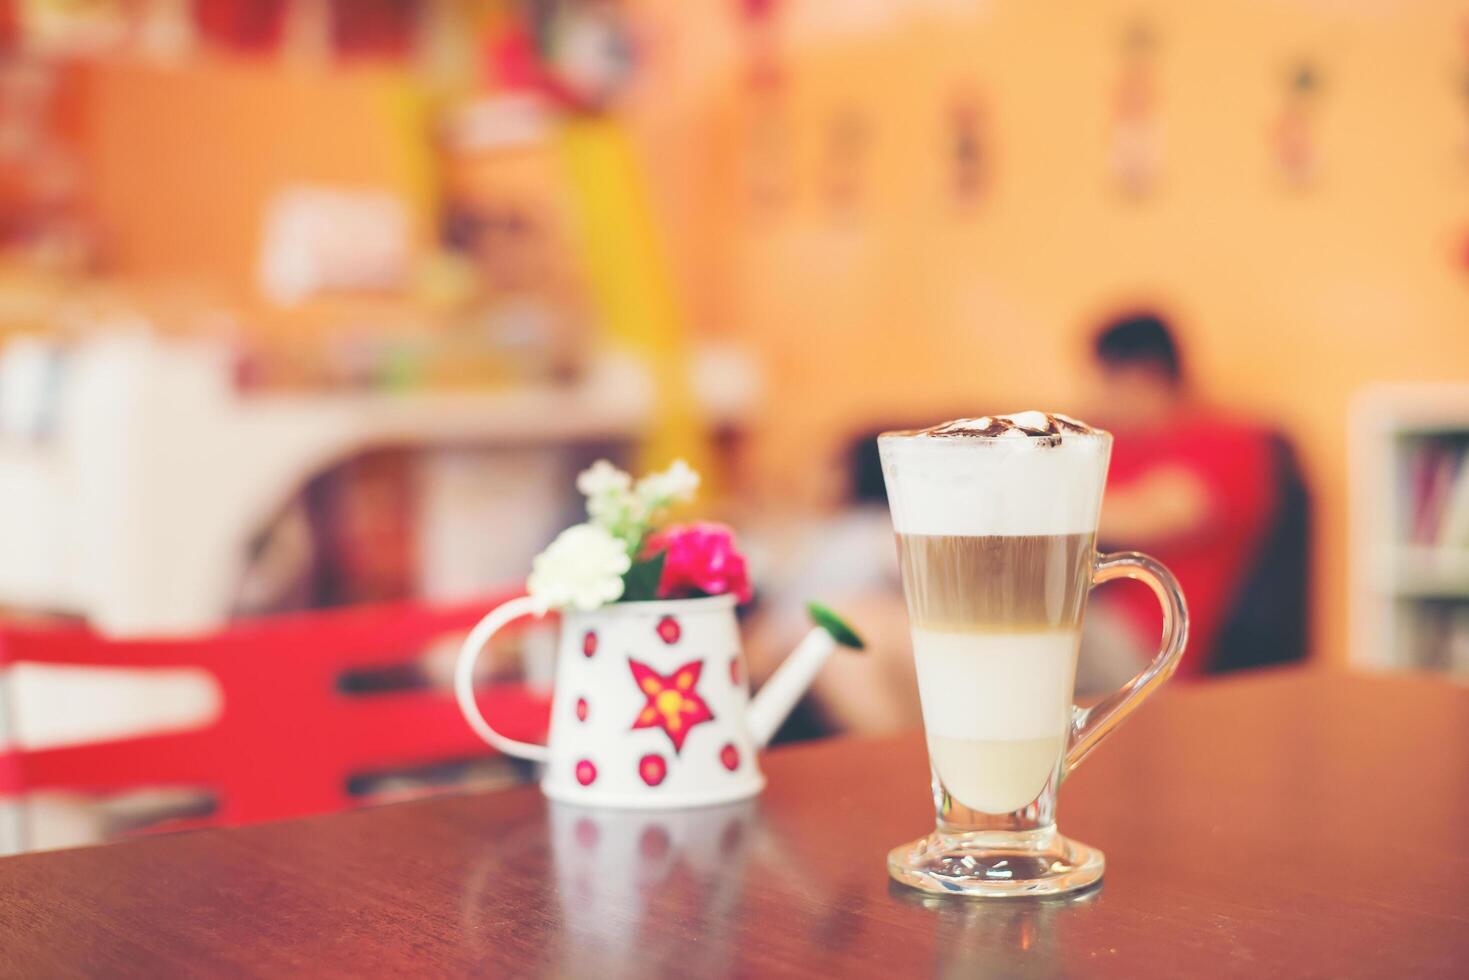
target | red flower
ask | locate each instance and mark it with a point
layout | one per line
(700, 559)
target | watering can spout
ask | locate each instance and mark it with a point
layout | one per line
(780, 693)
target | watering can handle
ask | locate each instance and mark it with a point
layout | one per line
(498, 618)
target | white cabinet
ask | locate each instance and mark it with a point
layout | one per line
(1409, 447)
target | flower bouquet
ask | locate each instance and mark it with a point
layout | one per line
(621, 554)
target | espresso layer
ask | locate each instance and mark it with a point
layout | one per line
(996, 583)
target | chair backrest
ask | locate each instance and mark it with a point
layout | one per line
(289, 738)
(1267, 622)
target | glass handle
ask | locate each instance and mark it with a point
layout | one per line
(1090, 725)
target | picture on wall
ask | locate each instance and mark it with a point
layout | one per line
(848, 134)
(1294, 144)
(969, 151)
(1136, 139)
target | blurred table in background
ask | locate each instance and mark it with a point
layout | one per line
(1275, 824)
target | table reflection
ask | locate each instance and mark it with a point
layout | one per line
(617, 871)
(724, 890)
(972, 936)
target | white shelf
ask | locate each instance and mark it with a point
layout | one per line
(1398, 587)
(1432, 408)
(1431, 573)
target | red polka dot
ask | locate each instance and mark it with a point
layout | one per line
(589, 643)
(734, 671)
(668, 630)
(652, 768)
(581, 709)
(653, 843)
(730, 756)
(585, 772)
(730, 839)
(587, 833)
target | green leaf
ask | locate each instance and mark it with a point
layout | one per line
(640, 582)
(835, 625)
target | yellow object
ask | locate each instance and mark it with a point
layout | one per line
(628, 275)
(400, 103)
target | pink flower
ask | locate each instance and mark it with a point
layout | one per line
(700, 559)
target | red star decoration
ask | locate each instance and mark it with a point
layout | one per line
(674, 704)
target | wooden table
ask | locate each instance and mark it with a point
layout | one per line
(1273, 825)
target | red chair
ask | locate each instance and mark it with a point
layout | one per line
(288, 739)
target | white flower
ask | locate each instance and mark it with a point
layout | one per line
(602, 479)
(625, 510)
(611, 503)
(582, 569)
(677, 484)
(621, 513)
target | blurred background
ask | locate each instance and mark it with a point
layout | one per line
(311, 310)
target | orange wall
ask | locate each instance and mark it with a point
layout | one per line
(1289, 301)
(183, 161)
(908, 305)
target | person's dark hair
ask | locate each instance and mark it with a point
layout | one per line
(1140, 338)
(864, 468)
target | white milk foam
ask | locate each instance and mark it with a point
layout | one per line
(953, 480)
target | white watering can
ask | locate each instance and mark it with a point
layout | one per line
(652, 703)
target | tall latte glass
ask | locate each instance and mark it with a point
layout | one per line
(996, 520)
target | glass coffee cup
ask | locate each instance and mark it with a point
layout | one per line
(996, 522)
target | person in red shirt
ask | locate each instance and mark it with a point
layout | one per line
(1188, 485)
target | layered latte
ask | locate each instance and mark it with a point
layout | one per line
(995, 520)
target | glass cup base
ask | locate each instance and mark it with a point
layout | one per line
(994, 864)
